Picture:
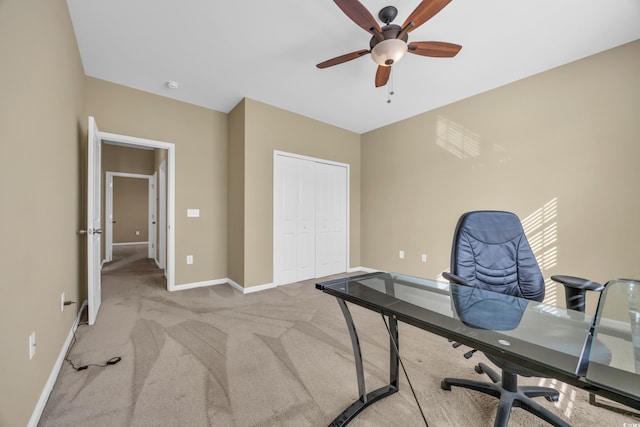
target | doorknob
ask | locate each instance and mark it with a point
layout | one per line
(82, 231)
(97, 231)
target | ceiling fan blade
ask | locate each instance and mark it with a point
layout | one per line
(359, 14)
(426, 10)
(434, 49)
(342, 58)
(382, 75)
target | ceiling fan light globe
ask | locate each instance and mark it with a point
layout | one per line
(388, 51)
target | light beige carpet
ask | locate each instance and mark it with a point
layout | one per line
(282, 357)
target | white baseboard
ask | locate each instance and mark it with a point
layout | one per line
(129, 243)
(44, 396)
(226, 280)
(200, 284)
(258, 288)
(365, 269)
(250, 289)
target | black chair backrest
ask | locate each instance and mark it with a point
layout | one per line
(490, 251)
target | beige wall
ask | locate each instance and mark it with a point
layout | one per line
(41, 120)
(267, 129)
(128, 160)
(236, 236)
(200, 138)
(130, 209)
(130, 195)
(561, 147)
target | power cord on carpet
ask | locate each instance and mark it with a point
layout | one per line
(109, 362)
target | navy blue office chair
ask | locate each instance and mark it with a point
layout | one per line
(491, 252)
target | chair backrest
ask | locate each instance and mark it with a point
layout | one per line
(490, 251)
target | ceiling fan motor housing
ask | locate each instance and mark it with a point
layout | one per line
(390, 31)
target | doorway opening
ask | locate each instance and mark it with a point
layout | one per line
(151, 204)
(94, 215)
(130, 212)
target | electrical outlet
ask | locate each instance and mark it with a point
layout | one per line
(62, 302)
(32, 345)
(189, 259)
(137, 233)
(401, 254)
(424, 257)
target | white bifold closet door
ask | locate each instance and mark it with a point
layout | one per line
(310, 219)
(331, 219)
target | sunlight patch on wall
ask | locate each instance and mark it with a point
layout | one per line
(541, 228)
(456, 139)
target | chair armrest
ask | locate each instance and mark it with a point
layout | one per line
(455, 279)
(578, 283)
(575, 289)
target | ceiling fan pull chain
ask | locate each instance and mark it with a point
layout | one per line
(390, 87)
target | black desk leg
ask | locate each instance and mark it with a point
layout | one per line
(367, 399)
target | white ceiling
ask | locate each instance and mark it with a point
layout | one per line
(222, 51)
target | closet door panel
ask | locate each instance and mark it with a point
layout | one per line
(285, 219)
(323, 208)
(336, 223)
(306, 231)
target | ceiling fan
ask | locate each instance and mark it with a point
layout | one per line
(389, 43)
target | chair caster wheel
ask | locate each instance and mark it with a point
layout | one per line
(445, 386)
(553, 398)
(479, 369)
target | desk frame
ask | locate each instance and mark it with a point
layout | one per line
(365, 398)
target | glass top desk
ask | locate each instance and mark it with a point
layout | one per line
(617, 325)
(553, 341)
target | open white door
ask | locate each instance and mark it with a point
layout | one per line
(162, 197)
(152, 217)
(94, 231)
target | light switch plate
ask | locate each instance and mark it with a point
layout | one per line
(193, 213)
(32, 345)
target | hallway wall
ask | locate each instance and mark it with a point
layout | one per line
(42, 125)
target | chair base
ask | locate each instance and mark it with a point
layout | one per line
(505, 388)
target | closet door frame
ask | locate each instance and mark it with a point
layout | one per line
(277, 153)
